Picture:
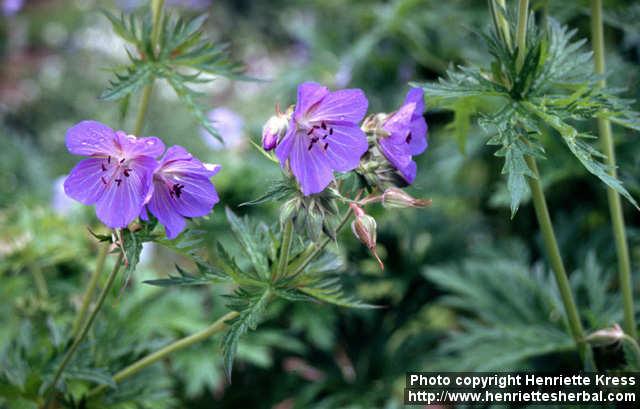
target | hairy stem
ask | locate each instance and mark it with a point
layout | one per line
(154, 357)
(91, 289)
(285, 249)
(555, 260)
(521, 34)
(615, 205)
(85, 329)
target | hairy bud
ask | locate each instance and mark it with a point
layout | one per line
(606, 336)
(275, 128)
(394, 197)
(364, 228)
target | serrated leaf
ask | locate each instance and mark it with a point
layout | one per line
(582, 151)
(277, 192)
(248, 319)
(206, 276)
(229, 267)
(126, 30)
(95, 375)
(248, 241)
(135, 77)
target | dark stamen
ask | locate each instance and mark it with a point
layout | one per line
(330, 131)
(126, 172)
(103, 180)
(176, 190)
(408, 140)
(324, 126)
(104, 168)
(118, 181)
(326, 146)
(122, 160)
(109, 159)
(310, 131)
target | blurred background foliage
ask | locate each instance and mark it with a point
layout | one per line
(464, 288)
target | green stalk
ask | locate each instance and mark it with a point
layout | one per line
(154, 357)
(85, 329)
(521, 35)
(41, 282)
(156, 14)
(285, 249)
(555, 260)
(91, 289)
(544, 220)
(615, 205)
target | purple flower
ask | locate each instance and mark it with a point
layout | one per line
(181, 188)
(323, 135)
(117, 176)
(11, 7)
(407, 134)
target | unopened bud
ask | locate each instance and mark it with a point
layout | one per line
(394, 197)
(606, 336)
(274, 129)
(288, 211)
(364, 228)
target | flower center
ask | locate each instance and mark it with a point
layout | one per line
(114, 170)
(318, 134)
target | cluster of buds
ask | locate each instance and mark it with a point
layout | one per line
(275, 128)
(312, 216)
(364, 228)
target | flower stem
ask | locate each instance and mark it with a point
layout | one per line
(156, 14)
(521, 34)
(91, 289)
(285, 249)
(555, 260)
(142, 111)
(41, 282)
(154, 357)
(85, 329)
(615, 206)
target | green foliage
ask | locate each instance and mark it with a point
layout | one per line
(183, 57)
(255, 285)
(555, 87)
(514, 312)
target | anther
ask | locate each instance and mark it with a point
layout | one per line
(126, 172)
(122, 160)
(104, 168)
(118, 181)
(108, 159)
(408, 140)
(103, 180)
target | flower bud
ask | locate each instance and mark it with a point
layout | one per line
(364, 228)
(394, 197)
(606, 336)
(274, 129)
